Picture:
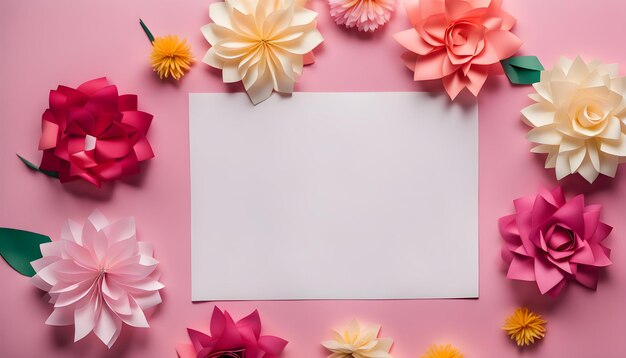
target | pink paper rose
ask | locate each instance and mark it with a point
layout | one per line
(552, 241)
(241, 339)
(94, 134)
(457, 41)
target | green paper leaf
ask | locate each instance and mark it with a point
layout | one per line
(19, 248)
(146, 30)
(36, 168)
(522, 70)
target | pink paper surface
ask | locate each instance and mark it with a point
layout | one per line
(51, 42)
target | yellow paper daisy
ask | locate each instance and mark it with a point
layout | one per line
(525, 326)
(171, 57)
(442, 351)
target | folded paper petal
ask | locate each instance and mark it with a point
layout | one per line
(98, 277)
(468, 38)
(553, 241)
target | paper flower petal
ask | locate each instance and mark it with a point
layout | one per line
(264, 44)
(457, 41)
(553, 241)
(98, 278)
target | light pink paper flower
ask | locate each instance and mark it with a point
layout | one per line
(98, 276)
(230, 339)
(457, 41)
(552, 241)
(365, 15)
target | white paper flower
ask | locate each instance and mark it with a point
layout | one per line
(579, 119)
(263, 43)
(98, 276)
(358, 343)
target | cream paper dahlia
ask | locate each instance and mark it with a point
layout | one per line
(579, 118)
(263, 43)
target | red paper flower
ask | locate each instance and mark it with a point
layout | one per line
(93, 133)
(552, 241)
(241, 339)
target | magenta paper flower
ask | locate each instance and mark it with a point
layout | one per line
(98, 277)
(94, 134)
(552, 241)
(457, 41)
(365, 15)
(230, 339)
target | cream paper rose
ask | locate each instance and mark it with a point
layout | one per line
(263, 43)
(579, 119)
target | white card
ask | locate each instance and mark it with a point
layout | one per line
(333, 196)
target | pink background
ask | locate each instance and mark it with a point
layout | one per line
(51, 42)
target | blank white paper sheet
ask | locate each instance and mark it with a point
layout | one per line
(333, 196)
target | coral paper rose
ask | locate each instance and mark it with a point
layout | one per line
(365, 15)
(230, 339)
(93, 133)
(98, 277)
(262, 43)
(457, 41)
(579, 119)
(553, 241)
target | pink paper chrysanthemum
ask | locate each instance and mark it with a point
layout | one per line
(98, 277)
(365, 15)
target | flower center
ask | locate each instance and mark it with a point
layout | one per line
(263, 44)
(562, 239)
(591, 115)
(239, 353)
(464, 38)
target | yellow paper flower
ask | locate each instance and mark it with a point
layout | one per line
(358, 343)
(442, 351)
(171, 57)
(525, 326)
(262, 43)
(579, 118)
